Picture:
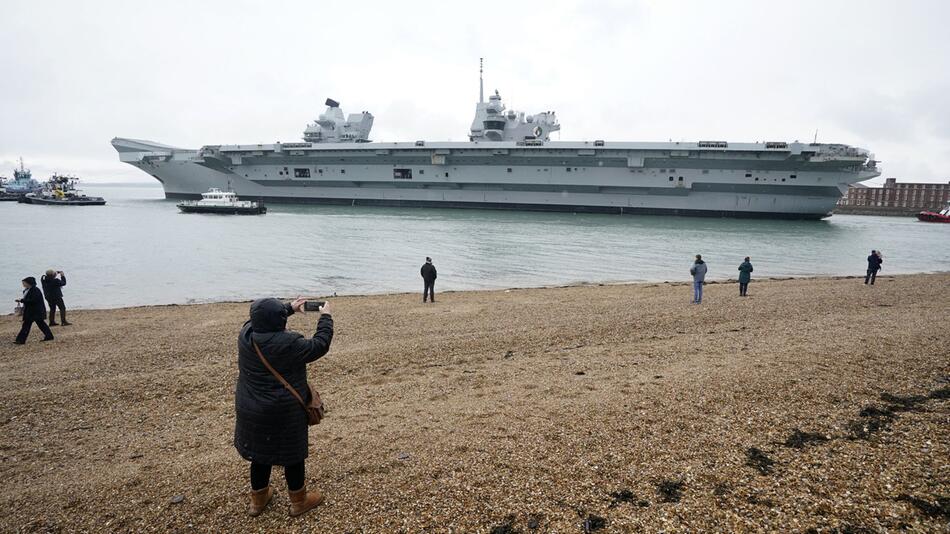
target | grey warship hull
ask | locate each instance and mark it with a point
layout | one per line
(764, 180)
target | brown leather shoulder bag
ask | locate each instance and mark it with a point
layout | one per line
(314, 409)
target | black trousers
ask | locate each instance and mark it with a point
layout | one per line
(53, 304)
(743, 288)
(872, 274)
(428, 290)
(293, 474)
(28, 324)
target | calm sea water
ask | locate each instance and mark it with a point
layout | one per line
(139, 249)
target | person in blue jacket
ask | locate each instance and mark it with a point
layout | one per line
(698, 270)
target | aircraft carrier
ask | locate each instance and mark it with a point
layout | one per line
(510, 162)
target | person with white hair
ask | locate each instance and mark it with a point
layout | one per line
(53, 282)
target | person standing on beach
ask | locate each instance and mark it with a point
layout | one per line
(34, 311)
(745, 275)
(698, 270)
(271, 426)
(429, 275)
(53, 290)
(874, 265)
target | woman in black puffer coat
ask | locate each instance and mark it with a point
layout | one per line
(271, 427)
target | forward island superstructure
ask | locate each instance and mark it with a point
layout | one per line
(510, 162)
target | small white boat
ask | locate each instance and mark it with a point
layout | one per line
(222, 202)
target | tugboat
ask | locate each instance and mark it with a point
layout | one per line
(22, 184)
(222, 202)
(943, 216)
(61, 191)
(3, 190)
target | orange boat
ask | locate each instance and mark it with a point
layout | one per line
(931, 216)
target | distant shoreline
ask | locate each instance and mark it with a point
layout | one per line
(579, 284)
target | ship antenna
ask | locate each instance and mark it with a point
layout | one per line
(816, 136)
(481, 83)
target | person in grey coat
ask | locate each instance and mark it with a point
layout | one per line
(745, 276)
(271, 426)
(698, 270)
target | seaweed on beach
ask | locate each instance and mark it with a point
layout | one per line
(799, 439)
(942, 393)
(843, 529)
(939, 508)
(594, 523)
(622, 496)
(670, 490)
(757, 458)
(873, 420)
(507, 527)
(903, 403)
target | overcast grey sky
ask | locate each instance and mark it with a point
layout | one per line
(875, 74)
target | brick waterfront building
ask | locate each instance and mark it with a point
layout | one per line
(895, 197)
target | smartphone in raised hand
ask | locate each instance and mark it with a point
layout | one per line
(313, 305)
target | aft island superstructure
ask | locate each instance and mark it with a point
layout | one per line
(510, 162)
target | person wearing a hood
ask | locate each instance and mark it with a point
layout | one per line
(271, 426)
(429, 275)
(698, 270)
(34, 311)
(53, 291)
(745, 276)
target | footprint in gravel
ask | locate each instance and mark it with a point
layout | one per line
(508, 527)
(670, 490)
(594, 523)
(758, 459)
(940, 508)
(799, 439)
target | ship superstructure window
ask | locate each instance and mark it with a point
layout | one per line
(342, 171)
(568, 169)
(422, 171)
(509, 169)
(793, 176)
(681, 178)
(671, 178)
(494, 125)
(301, 173)
(748, 175)
(402, 174)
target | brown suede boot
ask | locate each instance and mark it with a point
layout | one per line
(259, 500)
(302, 501)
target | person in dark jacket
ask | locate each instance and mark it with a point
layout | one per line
(874, 265)
(271, 426)
(429, 275)
(745, 276)
(34, 311)
(53, 290)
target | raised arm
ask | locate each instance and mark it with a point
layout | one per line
(311, 349)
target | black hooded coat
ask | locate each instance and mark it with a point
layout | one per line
(271, 426)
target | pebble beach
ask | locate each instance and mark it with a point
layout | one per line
(813, 405)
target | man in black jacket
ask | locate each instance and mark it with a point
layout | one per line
(428, 278)
(53, 290)
(874, 265)
(34, 311)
